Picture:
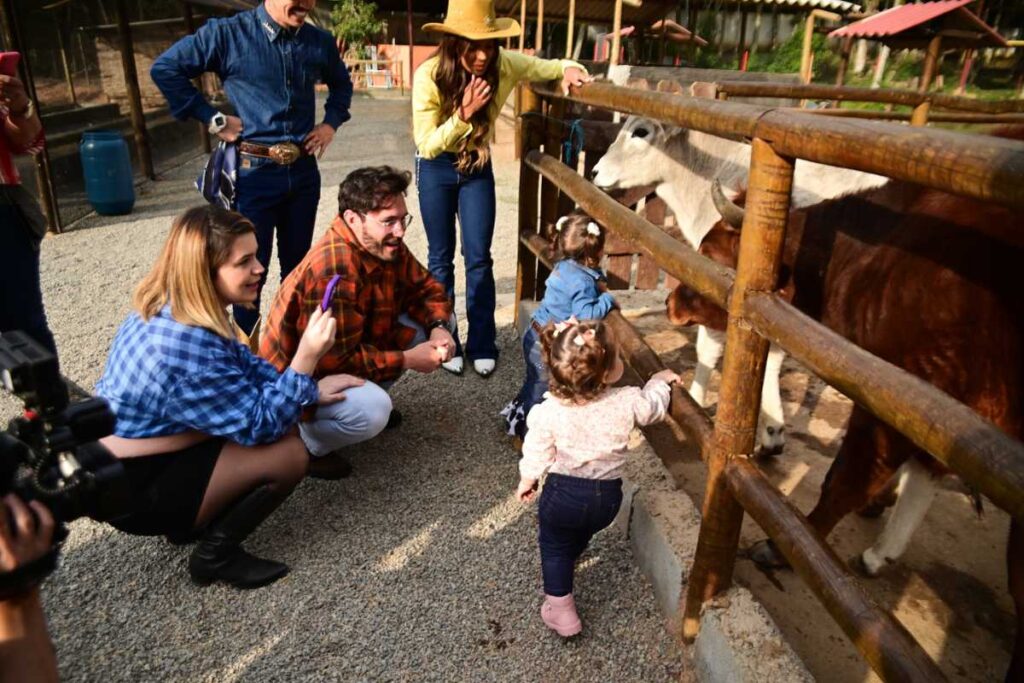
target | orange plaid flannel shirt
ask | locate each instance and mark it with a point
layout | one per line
(367, 301)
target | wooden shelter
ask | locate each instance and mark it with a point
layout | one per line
(931, 26)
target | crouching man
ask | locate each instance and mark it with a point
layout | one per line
(392, 314)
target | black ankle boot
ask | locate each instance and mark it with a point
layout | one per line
(219, 555)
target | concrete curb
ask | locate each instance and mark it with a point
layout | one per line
(738, 640)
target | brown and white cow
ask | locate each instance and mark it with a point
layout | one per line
(927, 281)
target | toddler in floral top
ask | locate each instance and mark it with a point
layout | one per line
(579, 435)
(570, 291)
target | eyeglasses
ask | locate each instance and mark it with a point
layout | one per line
(392, 223)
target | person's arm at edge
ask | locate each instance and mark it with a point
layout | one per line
(432, 138)
(26, 653)
(188, 58)
(339, 87)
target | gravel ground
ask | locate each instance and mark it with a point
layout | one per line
(419, 567)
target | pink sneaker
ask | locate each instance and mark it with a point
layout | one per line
(559, 614)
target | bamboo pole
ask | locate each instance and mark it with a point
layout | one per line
(44, 172)
(805, 49)
(857, 94)
(844, 61)
(571, 29)
(931, 62)
(882, 640)
(979, 166)
(529, 141)
(760, 256)
(613, 58)
(131, 80)
(988, 460)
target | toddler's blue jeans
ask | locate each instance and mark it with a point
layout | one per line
(571, 511)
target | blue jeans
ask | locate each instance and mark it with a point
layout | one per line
(21, 295)
(532, 391)
(285, 197)
(570, 512)
(444, 194)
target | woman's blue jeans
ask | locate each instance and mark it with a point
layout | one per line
(444, 195)
(570, 512)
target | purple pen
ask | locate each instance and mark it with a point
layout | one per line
(326, 303)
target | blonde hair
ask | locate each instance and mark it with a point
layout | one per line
(183, 276)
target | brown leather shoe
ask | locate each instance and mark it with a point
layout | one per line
(331, 466)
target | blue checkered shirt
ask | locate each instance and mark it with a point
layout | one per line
(163, 377)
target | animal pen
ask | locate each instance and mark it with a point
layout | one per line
(991, 462)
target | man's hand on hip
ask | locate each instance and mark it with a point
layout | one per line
(232, 129)
(443, 342)
(318, 140)
(423, 358)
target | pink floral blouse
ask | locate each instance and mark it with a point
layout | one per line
(589, 440)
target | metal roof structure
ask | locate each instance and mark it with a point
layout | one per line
(838, 6)
(914, 26)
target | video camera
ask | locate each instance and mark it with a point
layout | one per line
(51, 454)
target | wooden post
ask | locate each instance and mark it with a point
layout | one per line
(131, 80)
(412, 44)
(530, 139)
(190, 27)
(743, 38)
(805, 51)
(931, 60)
(764, 227)
(571, 29)
(538, 41)
(64, 61)
(44, 173)
(844, 62)
(613, 58)
(522, 25)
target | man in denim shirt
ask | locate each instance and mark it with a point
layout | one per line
(269, 60)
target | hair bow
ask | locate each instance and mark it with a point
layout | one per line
(560, 223)
(562, 326)
(581, 339)
(593, 229)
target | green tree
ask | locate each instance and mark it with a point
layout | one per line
(355, 22)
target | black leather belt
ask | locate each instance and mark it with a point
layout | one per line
(283, 153)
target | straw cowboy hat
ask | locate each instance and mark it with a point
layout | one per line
(474, 20)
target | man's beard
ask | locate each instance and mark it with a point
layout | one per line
(380, 248)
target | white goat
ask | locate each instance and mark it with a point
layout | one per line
(682, 164)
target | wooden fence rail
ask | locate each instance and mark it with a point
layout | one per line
(976, 166)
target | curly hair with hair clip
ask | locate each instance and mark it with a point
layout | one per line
(579, 356)
(579, 238)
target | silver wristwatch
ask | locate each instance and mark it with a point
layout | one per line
(217, 123)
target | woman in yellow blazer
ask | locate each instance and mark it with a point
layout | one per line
(456, 97)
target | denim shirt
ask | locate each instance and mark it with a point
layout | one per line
(268, 73)
(571, 290)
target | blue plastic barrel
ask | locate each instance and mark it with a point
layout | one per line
(107, 169)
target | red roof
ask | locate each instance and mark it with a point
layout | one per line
(915, 24)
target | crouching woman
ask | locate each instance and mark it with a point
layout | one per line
(204, 427)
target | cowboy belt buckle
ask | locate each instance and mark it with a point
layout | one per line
(285, 153)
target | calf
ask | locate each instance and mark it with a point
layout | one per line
(927, 281)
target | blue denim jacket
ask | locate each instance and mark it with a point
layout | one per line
(571, 289)
(268, 73)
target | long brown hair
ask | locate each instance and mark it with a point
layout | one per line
(579, 356)
(452, 79)
(183, 276)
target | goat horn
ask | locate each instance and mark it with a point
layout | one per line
(731, 214)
